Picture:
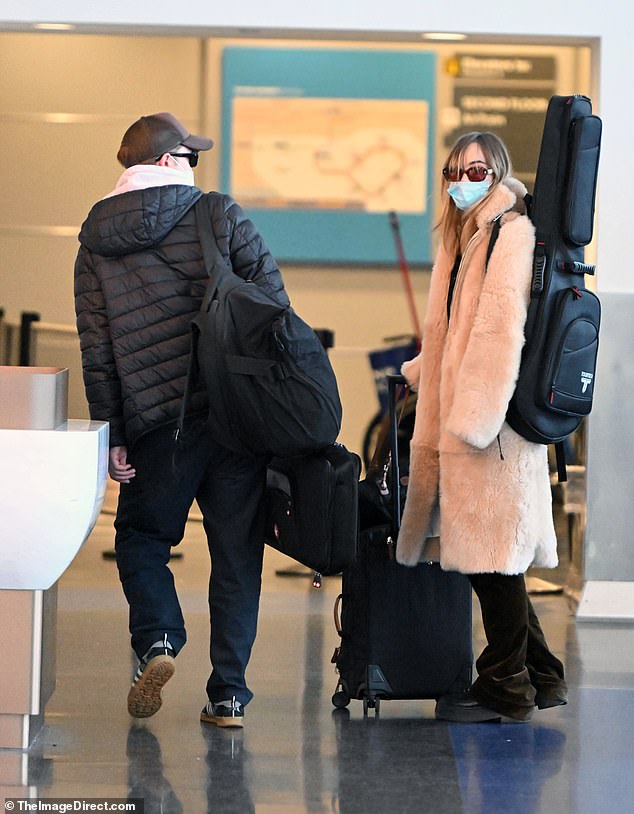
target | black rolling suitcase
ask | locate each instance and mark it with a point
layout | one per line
(405, 632)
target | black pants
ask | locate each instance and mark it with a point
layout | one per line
(151, 517)
(517, 663)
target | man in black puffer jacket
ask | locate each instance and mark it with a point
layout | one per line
(139, 281)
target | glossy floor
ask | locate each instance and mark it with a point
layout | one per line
(296, 754)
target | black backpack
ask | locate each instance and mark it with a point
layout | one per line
(269, 383)
(557, 372)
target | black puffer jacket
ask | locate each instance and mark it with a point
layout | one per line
(139, 281)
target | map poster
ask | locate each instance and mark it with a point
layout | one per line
(320, 145)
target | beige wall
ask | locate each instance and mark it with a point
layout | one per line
(65, 103)
(66, 100)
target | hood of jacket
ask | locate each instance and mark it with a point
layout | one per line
(136, 220)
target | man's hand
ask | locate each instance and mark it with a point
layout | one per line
(119, 468)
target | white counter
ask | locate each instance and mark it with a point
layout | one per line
(52, 486)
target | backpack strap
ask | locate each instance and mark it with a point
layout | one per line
(495, 231)
(528, 203)
(560, 454)
(497, 225)
(216, 264)
(452, 283)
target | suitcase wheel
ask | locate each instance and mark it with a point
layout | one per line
(341, 698)
(371, 703)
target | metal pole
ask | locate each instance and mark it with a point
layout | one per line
(26, 320)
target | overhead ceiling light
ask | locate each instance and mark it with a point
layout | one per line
(54, 26)
(443, 35)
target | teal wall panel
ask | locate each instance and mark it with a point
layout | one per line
(318, 145)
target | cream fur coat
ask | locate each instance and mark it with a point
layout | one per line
(492, 485)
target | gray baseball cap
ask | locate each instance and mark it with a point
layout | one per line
(153, 135)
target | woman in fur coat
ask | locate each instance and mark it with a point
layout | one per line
(474, 481)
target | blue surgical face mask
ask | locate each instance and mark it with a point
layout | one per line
(467, 193)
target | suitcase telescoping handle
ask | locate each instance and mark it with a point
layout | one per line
(395, 384)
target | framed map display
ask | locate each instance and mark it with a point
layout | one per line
(318, 146)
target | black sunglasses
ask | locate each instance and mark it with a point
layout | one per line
(477, 173)
(191, 157)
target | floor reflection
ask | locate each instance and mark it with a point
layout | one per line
(312, 747)
(146, 779)
(602, 779)
(505, 767)
(395, 765)
(227, 771)
(23, 773)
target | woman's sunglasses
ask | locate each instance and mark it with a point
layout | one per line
(191, 157)
(477, 173)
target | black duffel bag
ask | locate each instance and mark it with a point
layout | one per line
(312, 508)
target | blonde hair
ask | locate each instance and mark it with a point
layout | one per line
(452, 224)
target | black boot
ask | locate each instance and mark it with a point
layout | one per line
(465, 709)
